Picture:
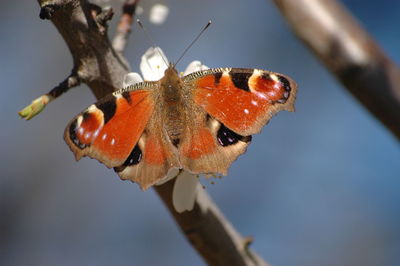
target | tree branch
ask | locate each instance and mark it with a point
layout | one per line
(209, 231)
(40, 103)
(70, 82)
(124, 25)
(347, 50)
(102, 69)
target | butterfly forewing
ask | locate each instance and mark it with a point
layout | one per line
(242, 99)
(232, 104)
(109, 130)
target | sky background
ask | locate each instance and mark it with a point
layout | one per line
(319, 186)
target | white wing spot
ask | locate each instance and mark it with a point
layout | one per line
(96, 133)
(87, 135)
(214, 125)
(104, 136)
(272, 94)
(92, 108)
(257, 73)
(112, 141)
(286, 94)
(79, 121)
(255, 103)
(246, 111)
(274, 77)
(261, 95)
(226, 72)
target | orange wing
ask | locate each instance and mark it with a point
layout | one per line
(109, 130)
(151, 159)
(208, 146)
(242, 99)
(230, 106)
(121, 132)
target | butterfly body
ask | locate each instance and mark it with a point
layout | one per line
(174, 105)
(200, 122)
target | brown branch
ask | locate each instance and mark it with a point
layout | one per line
(124, 25)
(103, 69)
(209, 231)
(70, 82)
(347, 50)
(102, 16)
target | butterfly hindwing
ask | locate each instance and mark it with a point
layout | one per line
(208, 146)
(242, 99)
(152, 157)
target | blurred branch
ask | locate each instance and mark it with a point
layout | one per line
(102, 69)
(350, 54)
(125, 25)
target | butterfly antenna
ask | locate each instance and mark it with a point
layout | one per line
(151, 40)
(191, 44)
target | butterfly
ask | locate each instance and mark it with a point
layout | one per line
(199, 123)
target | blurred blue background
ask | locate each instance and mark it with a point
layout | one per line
(320, 186)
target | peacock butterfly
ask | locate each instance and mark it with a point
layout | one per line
(200, 122)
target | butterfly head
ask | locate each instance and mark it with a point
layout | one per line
(171, 76)
(171, 68)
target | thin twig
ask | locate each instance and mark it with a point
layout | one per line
(40, 103)
(102, 69)
(104, 16)
(347, 50)
(124, 25)
(70, 82)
